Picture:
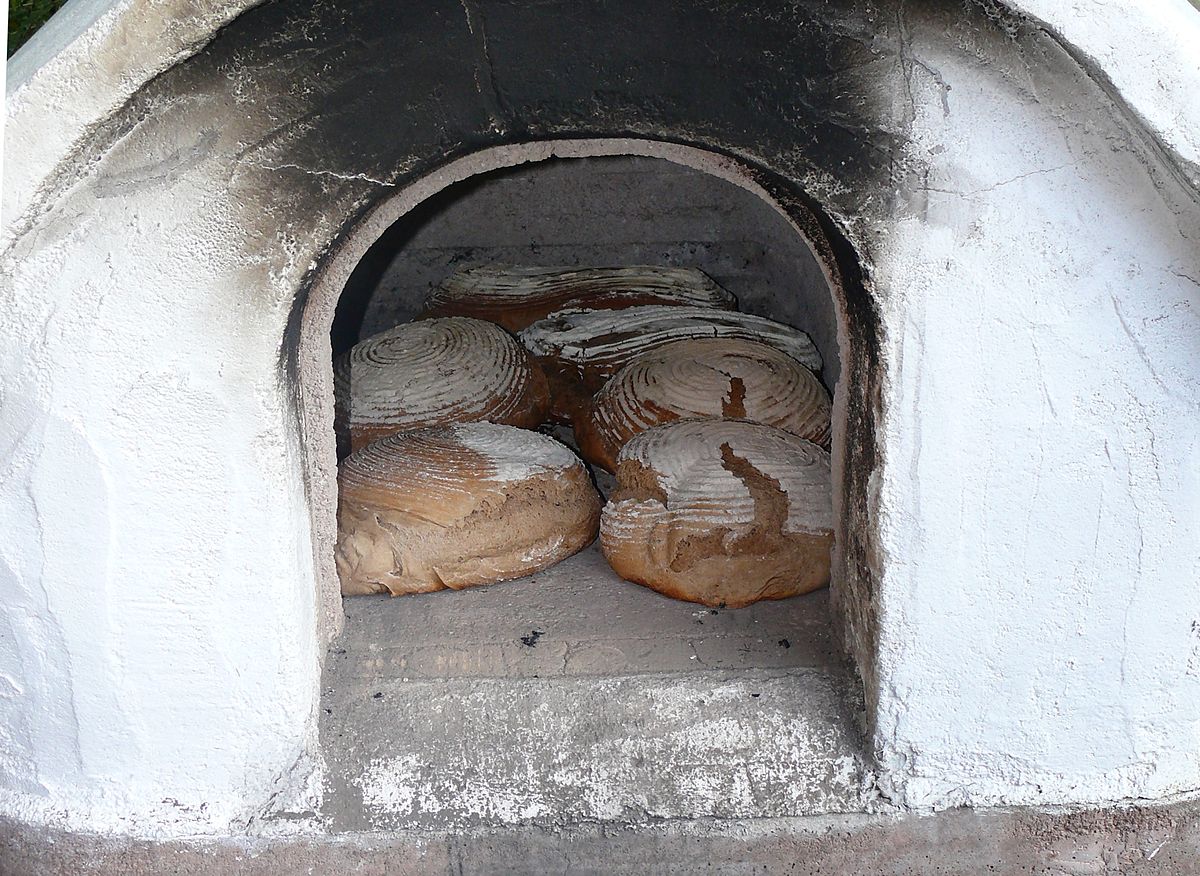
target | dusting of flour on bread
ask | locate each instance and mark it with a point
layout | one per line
(515, 454)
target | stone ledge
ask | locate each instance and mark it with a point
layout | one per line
(1164, 841)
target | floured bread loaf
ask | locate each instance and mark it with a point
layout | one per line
(705, 378)
(458, 506)
(515, 297)
(721, 512)
(433, 372)
(588, 346)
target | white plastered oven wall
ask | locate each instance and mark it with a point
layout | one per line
(134, 610)
(80, 67)
(159, 652)
(159, 656)
(1039, 506)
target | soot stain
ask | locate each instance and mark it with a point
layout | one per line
(362, 95)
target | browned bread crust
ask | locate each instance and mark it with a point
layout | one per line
(704, 378)
(720, 512)
(459, 506)
(589, 346)
(434, 372)
(515, 297)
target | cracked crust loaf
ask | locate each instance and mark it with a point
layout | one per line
(433, 372)
(515, 297)
(580, 349)
(702, 378)
(721, 512)
(459, 506)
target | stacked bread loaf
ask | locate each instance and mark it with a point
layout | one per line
(433, 372)
(713, 420)
(460, 505)
(580, 349)
(707, 378)
(722, 512)
(515, 297)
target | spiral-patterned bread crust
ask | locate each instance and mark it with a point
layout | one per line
(723, 378)
(514, 297)
(721, 512)
(457, 506)
(437, 371)
(597, 343)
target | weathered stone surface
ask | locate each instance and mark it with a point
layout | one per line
(590, 623)
(573, 696)
(1134, 842)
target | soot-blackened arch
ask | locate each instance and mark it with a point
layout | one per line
(350, 112)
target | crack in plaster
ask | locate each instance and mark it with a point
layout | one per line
(1000, 184)
(1193, 661)
(332, 173)
(1187, 277)
(58, 634)
(1128, 722)
(1184, 171)
(1140, 347)
(492, 102)
(909, 61)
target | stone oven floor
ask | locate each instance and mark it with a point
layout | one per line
(574, 697)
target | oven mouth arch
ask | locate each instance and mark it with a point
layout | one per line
(855, 411)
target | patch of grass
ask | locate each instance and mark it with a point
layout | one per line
(25, 17)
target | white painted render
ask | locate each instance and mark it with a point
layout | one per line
(80, 67)
(1038, 501)
(1146, 53)
(156, 568)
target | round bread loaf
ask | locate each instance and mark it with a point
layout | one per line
(437, 371)
(458, 506)
(721, 512)
(580, 349)
(515, 297)
(705, 378)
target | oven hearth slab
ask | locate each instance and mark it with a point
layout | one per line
(575, 697)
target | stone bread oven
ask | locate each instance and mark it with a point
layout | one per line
(1000, 216)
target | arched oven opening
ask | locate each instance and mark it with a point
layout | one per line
(571, 693)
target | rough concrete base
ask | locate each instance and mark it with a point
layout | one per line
(575, 697)
(1161, 841)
